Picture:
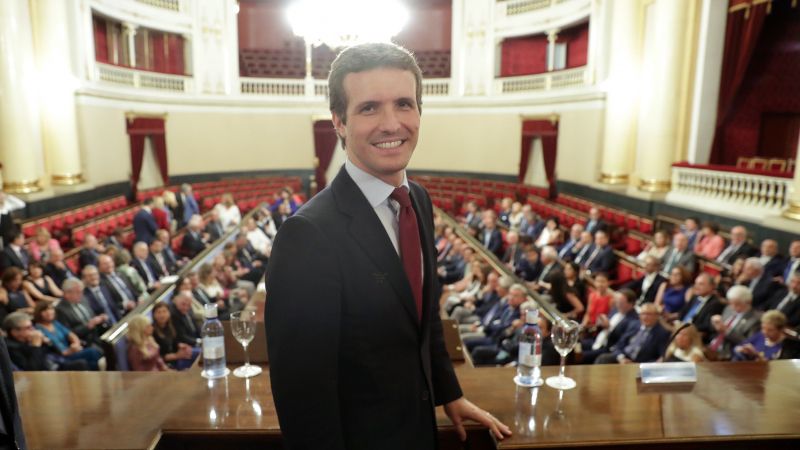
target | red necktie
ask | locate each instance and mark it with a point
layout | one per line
(410, 245)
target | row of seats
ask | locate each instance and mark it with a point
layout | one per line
(616, 216)
(766, 164)
(57, 222)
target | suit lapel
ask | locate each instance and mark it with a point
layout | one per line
(367, 230)
(428, 256)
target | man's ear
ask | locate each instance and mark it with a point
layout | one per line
(338, 125)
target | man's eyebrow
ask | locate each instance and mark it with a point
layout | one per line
(407, 100)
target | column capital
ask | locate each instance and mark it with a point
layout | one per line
(552, 35)
(130, 28)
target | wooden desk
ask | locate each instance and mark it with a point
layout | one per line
(733, 405)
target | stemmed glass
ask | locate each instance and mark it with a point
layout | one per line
(565, 336)
(243, 326)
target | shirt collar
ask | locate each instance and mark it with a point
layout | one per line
(375, 190)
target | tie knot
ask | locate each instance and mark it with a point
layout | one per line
(400, 195)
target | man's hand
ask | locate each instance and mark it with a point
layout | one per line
(462, 409)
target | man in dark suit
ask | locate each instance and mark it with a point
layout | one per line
(187, 329)
(514, 250)
(738, 322)
(647, 286)
(57, 269)
(195, 240)
(602, 257)
(787, 300)
(214, 226)
(760, 283)
(99, 297)
(370, 287)
(773, 262)
(647, 343)
(12, 436)
(529, 268)
(595, 223)
(491, 238)
(584, 248)
(144, 224)
(141, 262)
(702, 306)
(567, 251)
(792, 262)
(74, 312)
(122, 292)
(90, 251)
(738, 247)
(680, 255)
(621, 321)
(14, 254)
(473, 215)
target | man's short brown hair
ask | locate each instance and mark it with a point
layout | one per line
(362, 57)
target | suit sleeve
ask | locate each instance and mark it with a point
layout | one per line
(302, 318)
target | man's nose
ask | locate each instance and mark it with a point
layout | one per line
(389, 121)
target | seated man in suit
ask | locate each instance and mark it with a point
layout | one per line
(647, 343)
(550, 265)
(116, 239)
(622, 320)
(473, 310)
(452, 268)
(491, 237)
(250, 259)
(773, 262)
(680, 255)
(691, 229)
(144, 224)
(568, 251)
(117, 285)
(14, 253)
(595, 223)
(583, 248)
(171, 260)
(647, 286)
(99, 297)
(500, 328)
(787, 300)
(141, 262)
(214, 226)
(187, 329)
(258, 239)
(159, 260)
(513, 251)
(472, 216)
(703, 305)
(90, 251)
(122, 265)
(738, 322)
(195, 240)
(760, 283)
(737, 248)
(792, 262)
(602, 257)
(57, 269)
(75, 313)
(529, 268)
(491, 311)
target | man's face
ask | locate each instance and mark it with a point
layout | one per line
(651, 265)
(794, 284)
(23, 332)
(740, 306)
(91, 277)
(600, 239)
(648, 316)
(794, 249)
(681, 242)
(702, 286)
(382, 121)
(105, 264)
(738, 234)
(516, 298)
(73, 294)
(769, 247)
(183, 305)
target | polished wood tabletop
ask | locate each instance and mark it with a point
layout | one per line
(128, 410)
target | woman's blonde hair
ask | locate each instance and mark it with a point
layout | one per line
(694, 339)
(136, 333)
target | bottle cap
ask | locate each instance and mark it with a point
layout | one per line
(210, 311)
(532, 316)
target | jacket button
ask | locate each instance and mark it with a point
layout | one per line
(425, 396)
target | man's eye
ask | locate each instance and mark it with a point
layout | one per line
(367, 109)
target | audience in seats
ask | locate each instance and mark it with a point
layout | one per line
(214, 227)
(473, 309)
(656, 248)
(39, 286)
(505, 211)
(515, 217)
(467, 289)
(792, 262)
(609, 329)
(280, 215)
(229, 214)
(160, 213)
(453, 266)
(737, 247)
(99, 297)
(257, 238)
(14, 253)
(599, 302)
(514, 251)
(691, 229)
(649, 284)
(703, 305)
(42, 245)
(249, 258)
(601, 257)
(530, 267)
(766, 344)
(787, 300)
(159, 261)
(499, 328)
(758, 281)
(672, 294)
(264, 221)
(75, 313)
(710, 244)
(141, 263)
(144, 224)
(61, 343)
(195, 240)
(8, 204)
(143, 352)
(122, 262)
(575, 283)
(681, 255)
(27, 346)
(531, 225)
(645, 343)
(550, 235)
(583, 248)
(771, 260)
(568, 250)
(208, 289)
(595, 223)
(472, 216)
(12, 295)
(122, 292)
(490, 236)
(495, 298)
(187, 328)
(90, 251)
(177, 355)
(686, 346)
(57, 269)
(115, 240)
(171, 207)
(187, 205)
(736, 324)
(227, 272)
(288, 200)
(550, 269)
(172, 261)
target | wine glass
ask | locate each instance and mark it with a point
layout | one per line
(565, 336)
(243, 326)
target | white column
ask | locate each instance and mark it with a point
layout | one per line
(129, 31)
(793, 212)
(59, 121)
(309, 76)
(658, 128)
(622, 94)
(456, 48)
(552, 36)
(20, 133)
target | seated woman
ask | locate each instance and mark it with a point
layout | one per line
(686, 347)
(575, 283)
(565, 300)
(177, 355)
(467, 288)
(228, 300)
(144, 353)
(40, 287)
(767, 343)
(549, 234)
(515, 217)
(710, 244)
(671, 295)
(599, 302)
(657, 247)
(64, 345)
(12, 296)
(43, 245)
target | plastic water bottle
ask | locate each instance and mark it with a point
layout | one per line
(213, 344)
(529, 363)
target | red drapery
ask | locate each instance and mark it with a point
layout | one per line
(745, 21)
(174, 54)
(547, 131)
(138, 130)
(324, 145)
(100, 39)
(523, 56)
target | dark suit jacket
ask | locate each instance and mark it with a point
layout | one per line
(744, 251)
(66, 314)
(628, 323)
(528, 271)
(565, 252)
(486, 303)
(775, 266)
(763, 291)
(118, 297)
(214, 230)
(97, 306)
(58, 275)
(151, 259)
(495, 241)
(144, 227)
(8, 401)
(513, 252)
(192, 245)
(183, 329)
(87, 257)
(653, 347)
(334, 257)
(688, 260)
(598, 225)
(9, 258)
(140, 268)
(791, 310)
(605, 261)
(702, 319)
(650, 295)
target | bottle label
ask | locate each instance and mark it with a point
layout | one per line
(213, 347)
(527, 356)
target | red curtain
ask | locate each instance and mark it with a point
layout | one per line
(100, 39)
(324, 145)
(745, 21)
(157, 49)
(174, 54)
(138, 130)
(547, 131)
(523, 56)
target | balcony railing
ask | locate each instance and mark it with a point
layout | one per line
(124, 76)
(515, 7)
(542, 82)
(434, 87)
(172, 5)
(737, 191)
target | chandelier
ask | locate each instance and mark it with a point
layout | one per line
(342, 23)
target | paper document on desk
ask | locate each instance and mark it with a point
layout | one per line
(673, 372)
